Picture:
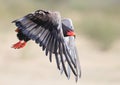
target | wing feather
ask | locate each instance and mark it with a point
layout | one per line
(47, 31)
(47, 44)
(68, 60)
(62, 61)
(51, 48)
(44, 40)
(57, 60)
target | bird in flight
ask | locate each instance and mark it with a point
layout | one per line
(54, 35)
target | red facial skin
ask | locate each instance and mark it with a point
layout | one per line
(70, 33)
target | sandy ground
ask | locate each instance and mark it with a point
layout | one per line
(29, 66)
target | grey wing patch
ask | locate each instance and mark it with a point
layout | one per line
(74, 55)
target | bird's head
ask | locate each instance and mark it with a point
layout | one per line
(42, 14)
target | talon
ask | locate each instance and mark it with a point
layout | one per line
(22, 45)
(19, 45)
(16, 45)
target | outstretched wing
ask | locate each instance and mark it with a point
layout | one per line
(45, 28)
(70, 42)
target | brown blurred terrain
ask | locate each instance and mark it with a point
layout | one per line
(97, 25)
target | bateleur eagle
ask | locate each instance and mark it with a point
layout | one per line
(55, 35)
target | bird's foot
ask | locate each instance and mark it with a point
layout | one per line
(19, 45)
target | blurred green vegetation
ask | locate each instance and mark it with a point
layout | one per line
(98, 19)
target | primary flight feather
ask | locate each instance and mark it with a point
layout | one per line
(55, 35)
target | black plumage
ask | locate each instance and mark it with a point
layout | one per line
(48, 30)
(22, 36)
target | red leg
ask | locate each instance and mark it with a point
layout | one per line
(22, 44)
(19, 45)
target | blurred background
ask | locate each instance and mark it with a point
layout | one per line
(97, 26)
